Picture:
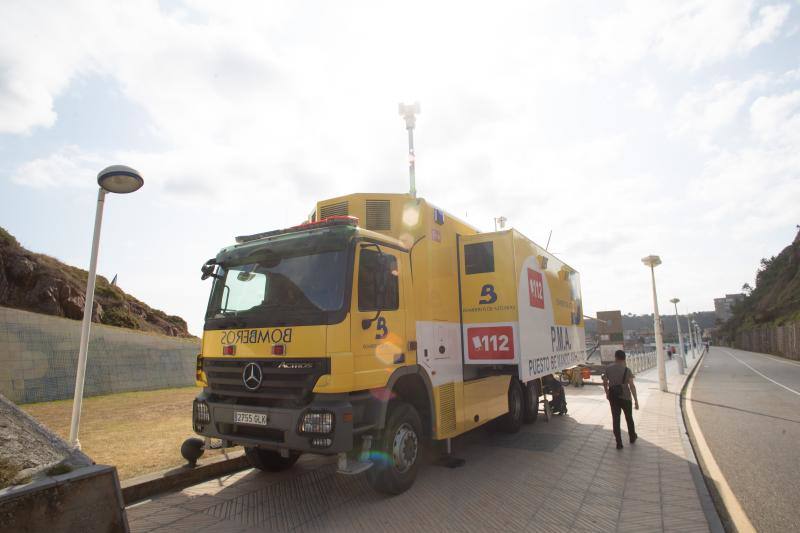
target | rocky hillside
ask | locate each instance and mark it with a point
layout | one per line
(775, 299)
(42, 284)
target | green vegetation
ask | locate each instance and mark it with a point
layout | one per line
(775, 299)
(7, 239)
(119, 316)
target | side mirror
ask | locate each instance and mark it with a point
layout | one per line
(208, 270)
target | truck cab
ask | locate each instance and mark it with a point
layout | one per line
(305, 328)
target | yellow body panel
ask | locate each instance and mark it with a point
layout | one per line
(484, 400)
(492, 296)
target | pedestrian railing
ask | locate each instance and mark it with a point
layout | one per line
(639, 362)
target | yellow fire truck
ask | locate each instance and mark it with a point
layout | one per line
(379, 325)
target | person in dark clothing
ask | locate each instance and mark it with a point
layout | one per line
(558, 405)
(619, 388)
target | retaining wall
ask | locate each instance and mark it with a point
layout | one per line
(39, 354)
(777, 340)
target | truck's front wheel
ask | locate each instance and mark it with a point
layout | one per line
(270, 460)
(400, 447)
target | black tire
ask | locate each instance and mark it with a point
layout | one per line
(532, 394)
(511, 422)
(270, 460)
(400, 450)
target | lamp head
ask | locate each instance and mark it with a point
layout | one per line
(675, 301)
(120, 179)
(651, 260)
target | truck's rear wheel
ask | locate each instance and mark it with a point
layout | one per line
(512, 421)
(400, 448)
(270, 460)
(532, 394)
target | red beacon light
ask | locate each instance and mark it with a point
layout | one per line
(334, 220)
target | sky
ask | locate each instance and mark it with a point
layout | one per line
(625, 128)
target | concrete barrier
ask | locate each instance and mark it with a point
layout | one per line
(86, 500)
(38, 357)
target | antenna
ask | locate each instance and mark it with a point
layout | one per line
(409, 113)
(548, 241)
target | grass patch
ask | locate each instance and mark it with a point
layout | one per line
(138, 432)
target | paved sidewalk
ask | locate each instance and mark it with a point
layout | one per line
(565, 475)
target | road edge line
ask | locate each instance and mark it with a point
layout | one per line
(706, 500)
(712, 474)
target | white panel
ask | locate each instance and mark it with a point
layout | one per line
(439, 351)
(545, 347)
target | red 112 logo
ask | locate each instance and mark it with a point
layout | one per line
(536, 289)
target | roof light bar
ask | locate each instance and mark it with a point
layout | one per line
(335, 220)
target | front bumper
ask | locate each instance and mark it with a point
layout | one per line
(282, 429)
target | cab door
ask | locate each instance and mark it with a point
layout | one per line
(378, 325)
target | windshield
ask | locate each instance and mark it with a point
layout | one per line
(279, 284)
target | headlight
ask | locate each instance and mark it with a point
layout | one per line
(201, 413)
(318, 423)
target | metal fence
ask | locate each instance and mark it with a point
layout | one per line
(639, 362)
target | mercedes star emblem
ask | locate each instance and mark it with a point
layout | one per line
(251, 376)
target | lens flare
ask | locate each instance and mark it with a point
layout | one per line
(410, 215)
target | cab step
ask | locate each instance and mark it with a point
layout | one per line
(352, 467)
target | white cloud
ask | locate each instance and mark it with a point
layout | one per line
(777, 118)
(702, 114)
(771, 19)
(68, 167)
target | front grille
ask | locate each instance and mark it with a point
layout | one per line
(285, 382)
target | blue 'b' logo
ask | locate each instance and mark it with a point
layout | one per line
(488, 292)
(383, 329)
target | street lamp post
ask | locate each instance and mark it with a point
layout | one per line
(691, 337)
(116, 179)
(680, 335)
(653, 261)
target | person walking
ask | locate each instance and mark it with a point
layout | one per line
(619, 388)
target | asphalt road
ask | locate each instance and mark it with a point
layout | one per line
(750, 417)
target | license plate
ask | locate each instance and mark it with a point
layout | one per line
(253, 419)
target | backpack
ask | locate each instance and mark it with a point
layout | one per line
(616, 391)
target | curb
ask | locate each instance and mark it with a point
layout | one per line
(707, 502)
(148, 485)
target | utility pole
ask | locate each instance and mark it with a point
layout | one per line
(409, 113)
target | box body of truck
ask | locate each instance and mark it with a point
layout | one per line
(325, 337)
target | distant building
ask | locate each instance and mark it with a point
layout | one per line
(722, 306)
(609, 328)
